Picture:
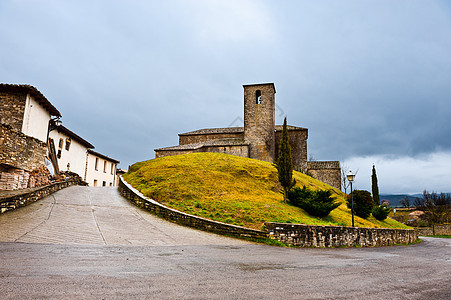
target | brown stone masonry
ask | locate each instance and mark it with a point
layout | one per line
(259, 128)
(12, 108)
(338, 236)
(326, 171)
(23, 199)
(20, 151)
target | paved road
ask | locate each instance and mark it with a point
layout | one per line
(107, 266)
(96, 216)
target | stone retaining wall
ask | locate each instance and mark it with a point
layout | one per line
(16, 201)
(439, 230)
(185, 219)
(19, 150)
(338, 236)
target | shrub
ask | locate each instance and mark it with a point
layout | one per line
(381, 212)
(363, 203)
(315, 203)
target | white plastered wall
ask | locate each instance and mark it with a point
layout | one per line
(99, 175)
(36, 119)
(75, 156)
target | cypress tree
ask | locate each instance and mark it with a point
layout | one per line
(284, 163)
(375, 187)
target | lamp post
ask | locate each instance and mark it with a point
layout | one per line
(351, 178)
(53, 124)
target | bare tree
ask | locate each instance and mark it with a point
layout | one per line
(436, 207)
(405, 202)
(344, 179)
(311, 158)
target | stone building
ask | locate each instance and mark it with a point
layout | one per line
(28, 136)
(258, 139)
(24, 117)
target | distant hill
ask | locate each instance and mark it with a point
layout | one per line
(395, 199)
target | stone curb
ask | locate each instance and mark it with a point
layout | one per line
(185, 219)
(13, 202)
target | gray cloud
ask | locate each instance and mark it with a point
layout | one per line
(366, 77)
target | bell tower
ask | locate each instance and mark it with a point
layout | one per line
(259, 118)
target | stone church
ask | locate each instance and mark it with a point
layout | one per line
(258, 139)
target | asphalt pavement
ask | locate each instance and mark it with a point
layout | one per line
(105, 248)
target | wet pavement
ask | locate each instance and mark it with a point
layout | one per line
(96, 216)
(148, 258)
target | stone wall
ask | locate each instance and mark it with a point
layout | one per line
(259, 121)
(17, 179)
(12, 108)
(181, 218)
(185, 139)
(328, 172)
(162, 153)
(292, 234)
(238, 150)
(13, 202)
(338, 236)
(439, 230)
(19, 150)
(298, 144)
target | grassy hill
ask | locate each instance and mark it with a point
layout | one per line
(233, 190)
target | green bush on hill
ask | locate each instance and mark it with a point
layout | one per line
(381, 212)
(316, 203)
(363, 203)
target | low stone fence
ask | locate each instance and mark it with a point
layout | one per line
(181, 218)
(338, 236)
(19, 200)
(439, 230)
(292, 234)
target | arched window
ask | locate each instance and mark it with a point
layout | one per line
(258, 97)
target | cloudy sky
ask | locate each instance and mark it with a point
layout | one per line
(370, 79)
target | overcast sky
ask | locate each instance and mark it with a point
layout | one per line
(371, 80)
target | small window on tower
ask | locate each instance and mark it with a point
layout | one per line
(258, 97)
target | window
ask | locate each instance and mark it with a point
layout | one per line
(95, 182)
(68, 141)
(59, 154)
(104, 183)
(111, 184)
(60, 144)
(96, 166)
(112, 168)
(258, 97)
(104, 166)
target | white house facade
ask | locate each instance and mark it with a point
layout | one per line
(100, 169)
(36, 119)
(71, 150)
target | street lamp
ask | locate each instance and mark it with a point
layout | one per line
(53, 124)
(351, 178)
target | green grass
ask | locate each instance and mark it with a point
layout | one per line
(440, 236)
(234, 190)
